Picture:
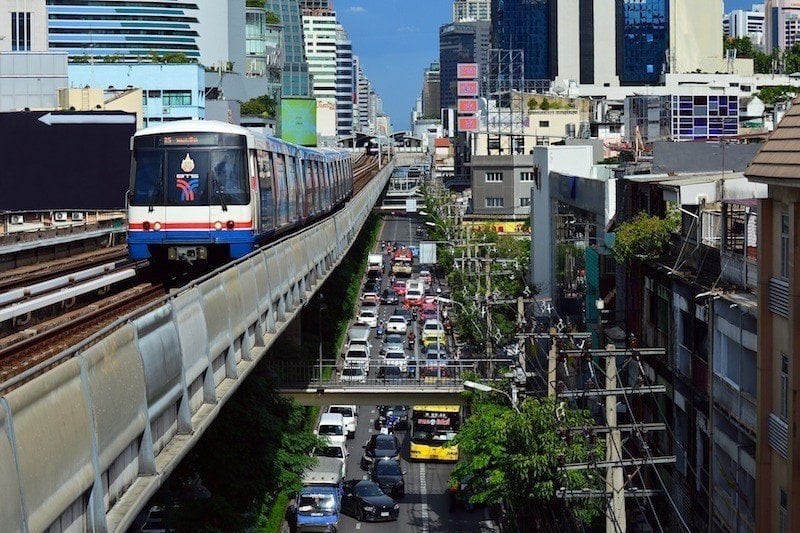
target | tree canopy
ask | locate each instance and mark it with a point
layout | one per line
(262, 106)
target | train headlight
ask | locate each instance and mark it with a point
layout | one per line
(230, 224)
(157, 226)
(146, 226)
(217, 225)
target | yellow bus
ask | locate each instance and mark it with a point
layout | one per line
(433, 428)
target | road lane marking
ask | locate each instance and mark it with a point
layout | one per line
(423, 489)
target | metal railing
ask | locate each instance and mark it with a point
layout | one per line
(447, 373)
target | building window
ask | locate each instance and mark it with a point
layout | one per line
(525, 201)
(494, 177)
(170, 98)
(20, 32)
(542, 141)
(526, 176)
(544, 123)
(784, 398)
(785, 246)
(494, 201)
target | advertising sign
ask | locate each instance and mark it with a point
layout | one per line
(467, 71)
(299, 121)
(467, 88)
(467, 123)
(467, 105)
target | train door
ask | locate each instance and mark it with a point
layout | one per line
(267, 200)
(291, 187)
(281, 198)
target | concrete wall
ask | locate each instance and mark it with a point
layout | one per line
(85, 445)
(31, 79)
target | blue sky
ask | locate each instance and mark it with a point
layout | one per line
(397, 39)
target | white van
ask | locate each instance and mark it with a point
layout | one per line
(331, 425)
(357, 354)
(348, 412)
(359, 335)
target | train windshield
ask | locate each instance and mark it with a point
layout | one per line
(175, 173)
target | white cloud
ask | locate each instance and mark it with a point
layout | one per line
(408, 29)
(356, 9)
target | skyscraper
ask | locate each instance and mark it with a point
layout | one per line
(782, 24)
(431, 91)
(296, 80)
(465, 10)
(742, 23)
(526, 25)
(462, 42)
(344, 83)
(642, 40)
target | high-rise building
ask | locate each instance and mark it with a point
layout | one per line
(131, 30)
(466, 10)
(740, 23)
(526, 25)
(344, 83)
(319, 33)
(584, 44)
(462, 42)
(642, 40)
(296, 80)
(781, 24)
(312, 5)
(431, 86)
(364, 90)
(264, 49)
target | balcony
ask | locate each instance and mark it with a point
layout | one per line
(739, 405)
(739, 270)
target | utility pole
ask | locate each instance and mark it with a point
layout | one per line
(489, 344)
(615, 517)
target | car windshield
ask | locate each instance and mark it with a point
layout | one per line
(387, 468)
(356, 354)
(385, 444)
(394, 338)
(316, 503)
(326, 429)
(355, 372)
(368, 490)
(330, 451)
(344, 411)
(367, 314)
(397, 319)
(395, 355)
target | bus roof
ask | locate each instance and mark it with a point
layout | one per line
(439, 408)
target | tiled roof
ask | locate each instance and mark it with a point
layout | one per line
(779, 157)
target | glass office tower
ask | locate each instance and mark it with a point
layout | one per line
(642, 40)
(296, 80)
(526, 25)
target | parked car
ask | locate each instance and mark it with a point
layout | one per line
(396, 324)
(349, 413)
(379, 446)
(388, 474)
(395, 416)
(364, 499)
(368, 317)
(353, 374)
(389, 296)
(396, 358)
(389, 373)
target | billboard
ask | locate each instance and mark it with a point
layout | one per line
(299, 121)
(467, 88)
(427, 253)
(467, 105)
(467, 123)
(467, 71)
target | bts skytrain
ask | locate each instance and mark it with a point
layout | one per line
(207, 190)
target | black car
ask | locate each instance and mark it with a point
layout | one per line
(390, 373)
(374, 275)
(365, 500)
(372, 285)
(403, 312)
(380, 446)
(388, 474)
(388, 296)
(395, 416)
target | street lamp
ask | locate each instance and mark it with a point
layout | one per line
(486, 388)
(322, 307)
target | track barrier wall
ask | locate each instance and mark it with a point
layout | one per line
(86, 444)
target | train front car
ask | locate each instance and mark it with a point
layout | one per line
(191, 197)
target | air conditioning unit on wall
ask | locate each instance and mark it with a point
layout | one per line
(77, 217)
(60, 216)
(17, 219)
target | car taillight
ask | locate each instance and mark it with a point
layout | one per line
(146, 226)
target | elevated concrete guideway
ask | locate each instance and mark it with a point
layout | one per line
(85, 445)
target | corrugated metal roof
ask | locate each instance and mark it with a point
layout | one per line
(779, 157)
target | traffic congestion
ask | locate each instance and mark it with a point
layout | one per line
(387, 467)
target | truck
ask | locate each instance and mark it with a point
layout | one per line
(319, 501)
(402, 262)
(375, 263)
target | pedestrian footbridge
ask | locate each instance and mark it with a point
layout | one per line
(88, 437)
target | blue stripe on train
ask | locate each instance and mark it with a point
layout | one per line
(139, 242)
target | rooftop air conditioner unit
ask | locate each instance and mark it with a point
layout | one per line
(17, 219)
(60, 216)
(77, 217)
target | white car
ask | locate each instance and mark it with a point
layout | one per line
(348, 412)
(396, 358)
(331, 425)
(357, 355)
(337, 451)
(368, 317)
(396, 324)
(353, 374)
(432, 326)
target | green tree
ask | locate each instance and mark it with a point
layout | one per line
(514, 457)
(262, 106)
(770, 95)
(255, 3)
(532, 104)
(762, 63)
(545, 105)
(645, 236)
(272, 18)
